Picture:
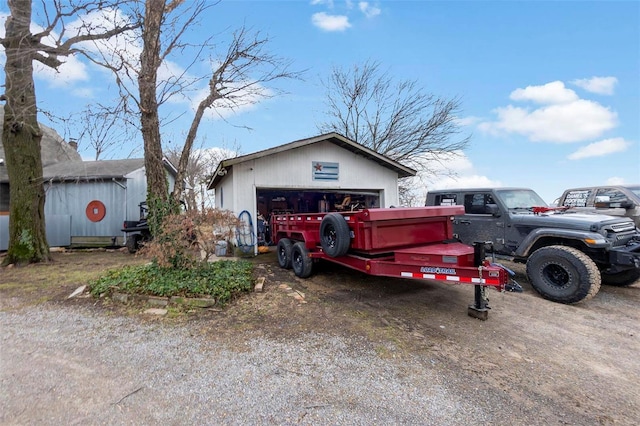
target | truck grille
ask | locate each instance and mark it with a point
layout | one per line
(622, 227)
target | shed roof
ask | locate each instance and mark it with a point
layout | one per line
(335, 138)
(97, 170)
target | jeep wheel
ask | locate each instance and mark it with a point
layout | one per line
(563, 274)
(621, 279)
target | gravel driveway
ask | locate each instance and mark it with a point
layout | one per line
(65, 365)
(346, 350)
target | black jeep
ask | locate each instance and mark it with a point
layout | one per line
(568, 253)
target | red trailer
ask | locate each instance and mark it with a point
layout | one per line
(412, 242)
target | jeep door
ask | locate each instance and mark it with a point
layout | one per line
(481, 222)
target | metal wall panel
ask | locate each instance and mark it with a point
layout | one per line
(4, 233)
(58, 228)
(72, 199)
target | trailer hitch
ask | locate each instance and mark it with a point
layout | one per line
(513, 285)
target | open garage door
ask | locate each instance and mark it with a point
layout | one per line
(275, 201)
(314, 200)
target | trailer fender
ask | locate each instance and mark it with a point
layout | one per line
(335, 236)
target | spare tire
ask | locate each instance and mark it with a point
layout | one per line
(335, 236)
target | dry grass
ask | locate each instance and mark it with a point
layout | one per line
(67, 271)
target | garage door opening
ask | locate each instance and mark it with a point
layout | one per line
(277, 201)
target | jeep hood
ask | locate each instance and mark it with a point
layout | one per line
(583, 221)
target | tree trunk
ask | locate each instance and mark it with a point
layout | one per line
(157, 189)
(21, 139)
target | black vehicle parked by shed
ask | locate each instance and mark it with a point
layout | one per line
(568, 254)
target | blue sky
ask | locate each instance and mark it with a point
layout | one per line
(550, 91)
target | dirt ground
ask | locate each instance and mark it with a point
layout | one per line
(578, 363)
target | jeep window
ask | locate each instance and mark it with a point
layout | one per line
(577, 198)
(445, 200)
(615, 195)
(635, 190)
(476, 203)
(521, 199)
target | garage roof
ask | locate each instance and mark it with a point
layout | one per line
(336, 138)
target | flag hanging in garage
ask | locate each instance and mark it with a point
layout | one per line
(324, 171)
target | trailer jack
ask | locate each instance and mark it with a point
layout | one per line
(480, 307)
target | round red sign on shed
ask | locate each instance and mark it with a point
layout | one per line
(96, 211)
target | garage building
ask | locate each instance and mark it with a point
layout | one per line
(319, 174)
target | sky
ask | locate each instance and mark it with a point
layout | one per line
(549, 90)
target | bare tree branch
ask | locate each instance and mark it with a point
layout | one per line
(396, 119)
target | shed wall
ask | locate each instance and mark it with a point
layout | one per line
(71, 198)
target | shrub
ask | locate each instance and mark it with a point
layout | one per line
(220, 280)
(186, 239)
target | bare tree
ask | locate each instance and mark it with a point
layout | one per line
(198, 171)
(103, 129)
(237, 81)
(21, 133)
(396, 119)
(238, 78)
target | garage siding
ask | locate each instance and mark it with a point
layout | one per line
(292, 169)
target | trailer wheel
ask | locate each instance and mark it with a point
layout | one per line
(301, 263)
(563, 274)
(335, 237)
(132, 242)
(284, 253)
(621, 279)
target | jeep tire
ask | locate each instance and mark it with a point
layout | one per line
(563, 274)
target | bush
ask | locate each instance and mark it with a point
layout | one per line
(186, 239)
(220, 280)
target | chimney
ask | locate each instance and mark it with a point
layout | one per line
(73, 144)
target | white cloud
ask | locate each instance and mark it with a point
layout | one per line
(329, 3)
(368, 10)
(550, 93)
(467, 121)
(70, 72)
(600, 149)
(330, 22)
(465, 181)
(452, 171)
(615, 180)
(562, 123)
(599, 85)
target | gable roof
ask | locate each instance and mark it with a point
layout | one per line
(335, 138)
(97, 170)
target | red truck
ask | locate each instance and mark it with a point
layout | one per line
(411, 242)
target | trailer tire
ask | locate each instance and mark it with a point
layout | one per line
(621, 279)
(301, 263)
(335, 236)
(284, 253)
(563, 274)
